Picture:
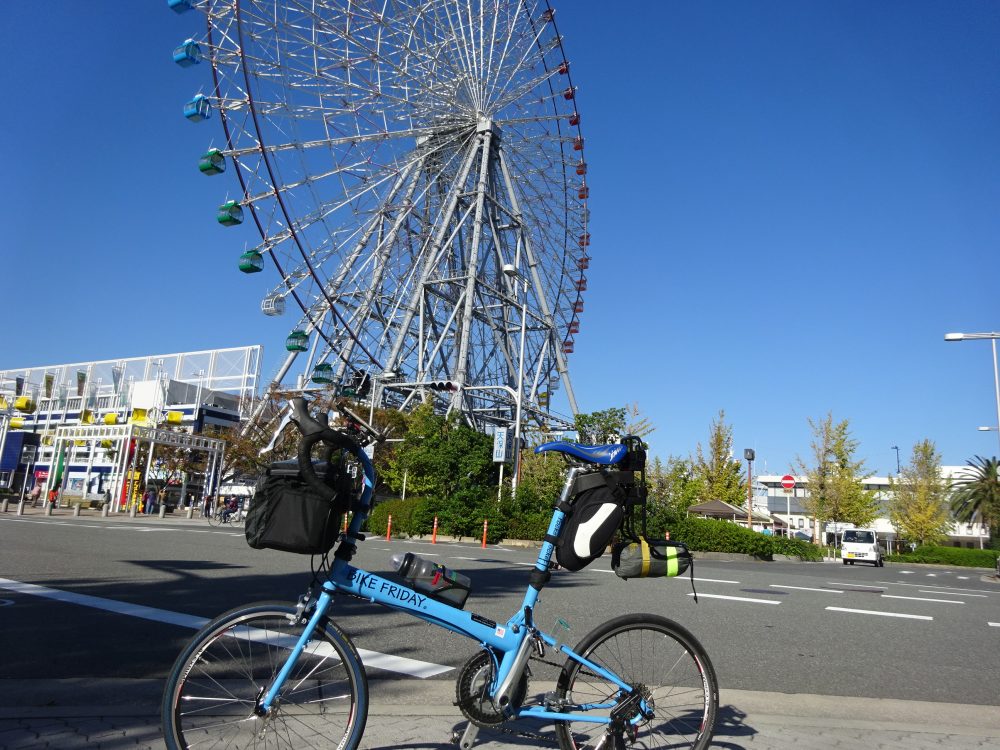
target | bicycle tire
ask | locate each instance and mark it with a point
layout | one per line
(668, 664)
(214, 517)
(213, 687)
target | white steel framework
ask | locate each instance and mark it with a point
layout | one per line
(415, 172)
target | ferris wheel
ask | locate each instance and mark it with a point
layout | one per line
(415, 172)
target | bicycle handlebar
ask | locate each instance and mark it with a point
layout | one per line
(315, 430)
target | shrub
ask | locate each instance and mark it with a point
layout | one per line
(960, 556)
(711, 535)
(708, 534)
(408, 517)
(796, 548)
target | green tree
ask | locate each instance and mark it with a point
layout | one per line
(720, 475)
(601, 427)
(836, 477)
(975, 496)
(919, 505)
(448, 462)
(672, 489)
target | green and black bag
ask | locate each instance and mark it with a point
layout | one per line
(645, 559)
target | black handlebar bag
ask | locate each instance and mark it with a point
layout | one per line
(593, 516)
(287, 514)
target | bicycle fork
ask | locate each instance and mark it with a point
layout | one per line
(265, 703)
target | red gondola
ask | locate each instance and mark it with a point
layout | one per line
(581, 168)
(578, 143)
(574, 119)
(569, 94)
(584, 240)
(584, 192)
(563, 68)
(583, 262)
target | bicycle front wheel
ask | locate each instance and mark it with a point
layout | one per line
(215, 684)
(214, 517)
(658, 658)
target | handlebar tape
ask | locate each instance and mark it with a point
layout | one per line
(314, 431)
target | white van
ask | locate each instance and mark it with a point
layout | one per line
(861, 545)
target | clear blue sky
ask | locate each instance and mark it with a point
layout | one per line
(792, 202)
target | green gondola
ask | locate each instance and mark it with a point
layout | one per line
(212, 161)
(297, 341)
(230, 214)
(322, 373)
(251, 262)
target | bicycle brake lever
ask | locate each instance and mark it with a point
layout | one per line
(277, 433)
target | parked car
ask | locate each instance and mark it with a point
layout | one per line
(861, 545)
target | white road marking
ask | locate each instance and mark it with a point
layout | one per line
(945, 589)
(932, 575)
(738, 598)
(861, 584)
(923, 599)
(388, 662)
(714, 580)
(881, 614)
(962, 578)
(952, 593)
(806, 588)
(994, 624)
(906, 572)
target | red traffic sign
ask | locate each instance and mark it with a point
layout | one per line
(788, 482)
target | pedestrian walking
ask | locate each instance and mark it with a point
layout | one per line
(147, 501)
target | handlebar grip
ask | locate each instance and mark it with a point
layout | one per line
(300, 415)
(314, 431)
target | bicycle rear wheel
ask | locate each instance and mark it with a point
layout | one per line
(661, 660)
(213, 688)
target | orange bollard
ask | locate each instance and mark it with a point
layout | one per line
(434, 531)
(668, 535)
(486, 524)
(388, 529)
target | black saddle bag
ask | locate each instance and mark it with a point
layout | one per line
(593, 517)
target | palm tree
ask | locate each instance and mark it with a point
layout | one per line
(976, 496)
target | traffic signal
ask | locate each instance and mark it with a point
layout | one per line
(443, 385)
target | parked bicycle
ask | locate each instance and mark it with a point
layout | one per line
(279, 675)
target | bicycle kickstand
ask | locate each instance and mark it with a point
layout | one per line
(467, 739)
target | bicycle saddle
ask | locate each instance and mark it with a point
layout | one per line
(594, 454)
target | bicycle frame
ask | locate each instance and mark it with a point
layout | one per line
(511, 640)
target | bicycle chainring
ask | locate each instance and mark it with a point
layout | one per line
(473, 687)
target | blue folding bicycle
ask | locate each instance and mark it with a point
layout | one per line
(273, 675)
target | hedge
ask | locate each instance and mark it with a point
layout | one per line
(710, 535)
(960, 556)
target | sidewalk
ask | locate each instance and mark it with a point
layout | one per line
(419, 715)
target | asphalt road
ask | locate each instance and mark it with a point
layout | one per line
(99, 598)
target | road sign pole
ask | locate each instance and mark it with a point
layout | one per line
(788, 484)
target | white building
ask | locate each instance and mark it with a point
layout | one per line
(787, 506)
(86, 420)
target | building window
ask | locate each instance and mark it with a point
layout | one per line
(801, 523)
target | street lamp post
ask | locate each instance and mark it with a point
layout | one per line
(749, 455)
(993, 336)
(511, 271)
(896, 448)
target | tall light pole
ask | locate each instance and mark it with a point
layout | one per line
(749, 455)
(510, 271)
(996, 378)
(896, 448)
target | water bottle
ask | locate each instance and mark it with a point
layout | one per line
(432, 578)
